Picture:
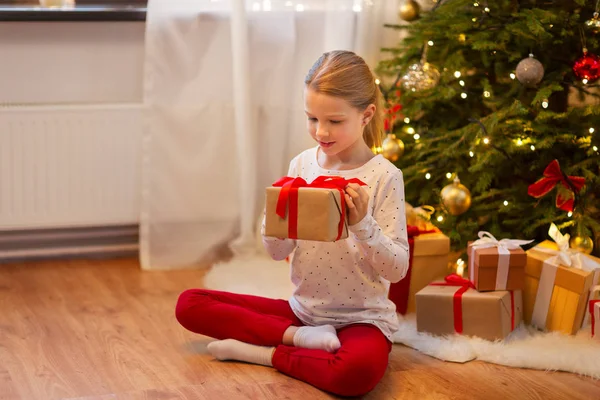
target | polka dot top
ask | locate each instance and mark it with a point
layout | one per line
(346, 282)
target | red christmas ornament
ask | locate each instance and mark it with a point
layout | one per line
(587, 67)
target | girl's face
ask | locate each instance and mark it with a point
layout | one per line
(334, 123)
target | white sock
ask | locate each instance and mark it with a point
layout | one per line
(231, 349)
(317, 337)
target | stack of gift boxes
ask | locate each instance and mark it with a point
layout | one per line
(549, 286)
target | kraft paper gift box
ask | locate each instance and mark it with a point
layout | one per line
(556, 295)
(315, 211)
(488, 315)
(428, 262)
(497, 264)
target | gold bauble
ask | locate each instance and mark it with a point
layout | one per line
(409, 10)
(456, 197)
(594, 23)
(420, 77)
(584, 244)
(392, 148)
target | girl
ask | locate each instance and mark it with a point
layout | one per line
(336, 330)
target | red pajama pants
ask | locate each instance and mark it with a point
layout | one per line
(353, 370)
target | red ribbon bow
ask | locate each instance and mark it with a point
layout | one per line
(552, 176)
(592, 302)
(288, 198)
(399, 291)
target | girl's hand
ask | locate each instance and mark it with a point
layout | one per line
(357, 200)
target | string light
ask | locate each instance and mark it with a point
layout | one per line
(448, 175)
(410, 130)
(487, 94)
(377, 81)
(545, 103)
(417, 136)
(505, 203)
(591, 130)
(428, 176)
(519, 142)
(463, 95)
(462, 83)
(472, 154)
(570, 214)
(585, 81)
(299, 7)
(532, 148)
(595, 148)
(430, 43)
(440, 218)
(474, 20)
(407, 120)
(512, 76)
(457, 74)
(486, 140)
(475, 4)
(486, 9)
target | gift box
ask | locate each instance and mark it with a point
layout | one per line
(555, 295)
(317, 211)
(420, 217)
(428, 262)
(497, 264)
(444, 308)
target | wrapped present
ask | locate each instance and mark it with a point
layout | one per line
(454, 306)
(497, 264)
(296, 209)
(557, 284)
(420, 217)
(428, 262)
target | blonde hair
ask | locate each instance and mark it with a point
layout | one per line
(345, 75)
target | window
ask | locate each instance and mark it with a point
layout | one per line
(84, 10)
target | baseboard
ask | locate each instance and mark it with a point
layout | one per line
(89, 242)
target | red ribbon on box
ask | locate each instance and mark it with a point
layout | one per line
(592, 302)
(465, 284)
(399, 291)
(288, 198)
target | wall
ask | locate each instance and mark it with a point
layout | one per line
(71, 62)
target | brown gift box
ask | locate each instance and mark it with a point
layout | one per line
(486, 315)
(319, 213)
(569, 294)
(429, 263)
(483, 268)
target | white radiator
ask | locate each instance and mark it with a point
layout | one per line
(69, 166)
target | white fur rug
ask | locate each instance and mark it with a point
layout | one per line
(524, 348)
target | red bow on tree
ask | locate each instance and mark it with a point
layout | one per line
(388, 122)
(566, 192)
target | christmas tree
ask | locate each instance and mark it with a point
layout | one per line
(503, 95)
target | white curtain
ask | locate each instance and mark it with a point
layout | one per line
(223, 93)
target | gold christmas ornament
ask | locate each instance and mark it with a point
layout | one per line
(456, 197)
(530, 71)
(593, 24)
(584, 244)
(420, 77)
(392, 148)
(409, 10)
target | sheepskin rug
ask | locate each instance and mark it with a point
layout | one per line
(524, 348)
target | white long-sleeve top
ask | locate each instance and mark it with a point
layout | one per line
(347, 281)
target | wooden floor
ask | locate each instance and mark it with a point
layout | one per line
(106, 330)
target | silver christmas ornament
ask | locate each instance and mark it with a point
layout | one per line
(530, 71)
(420, 77)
